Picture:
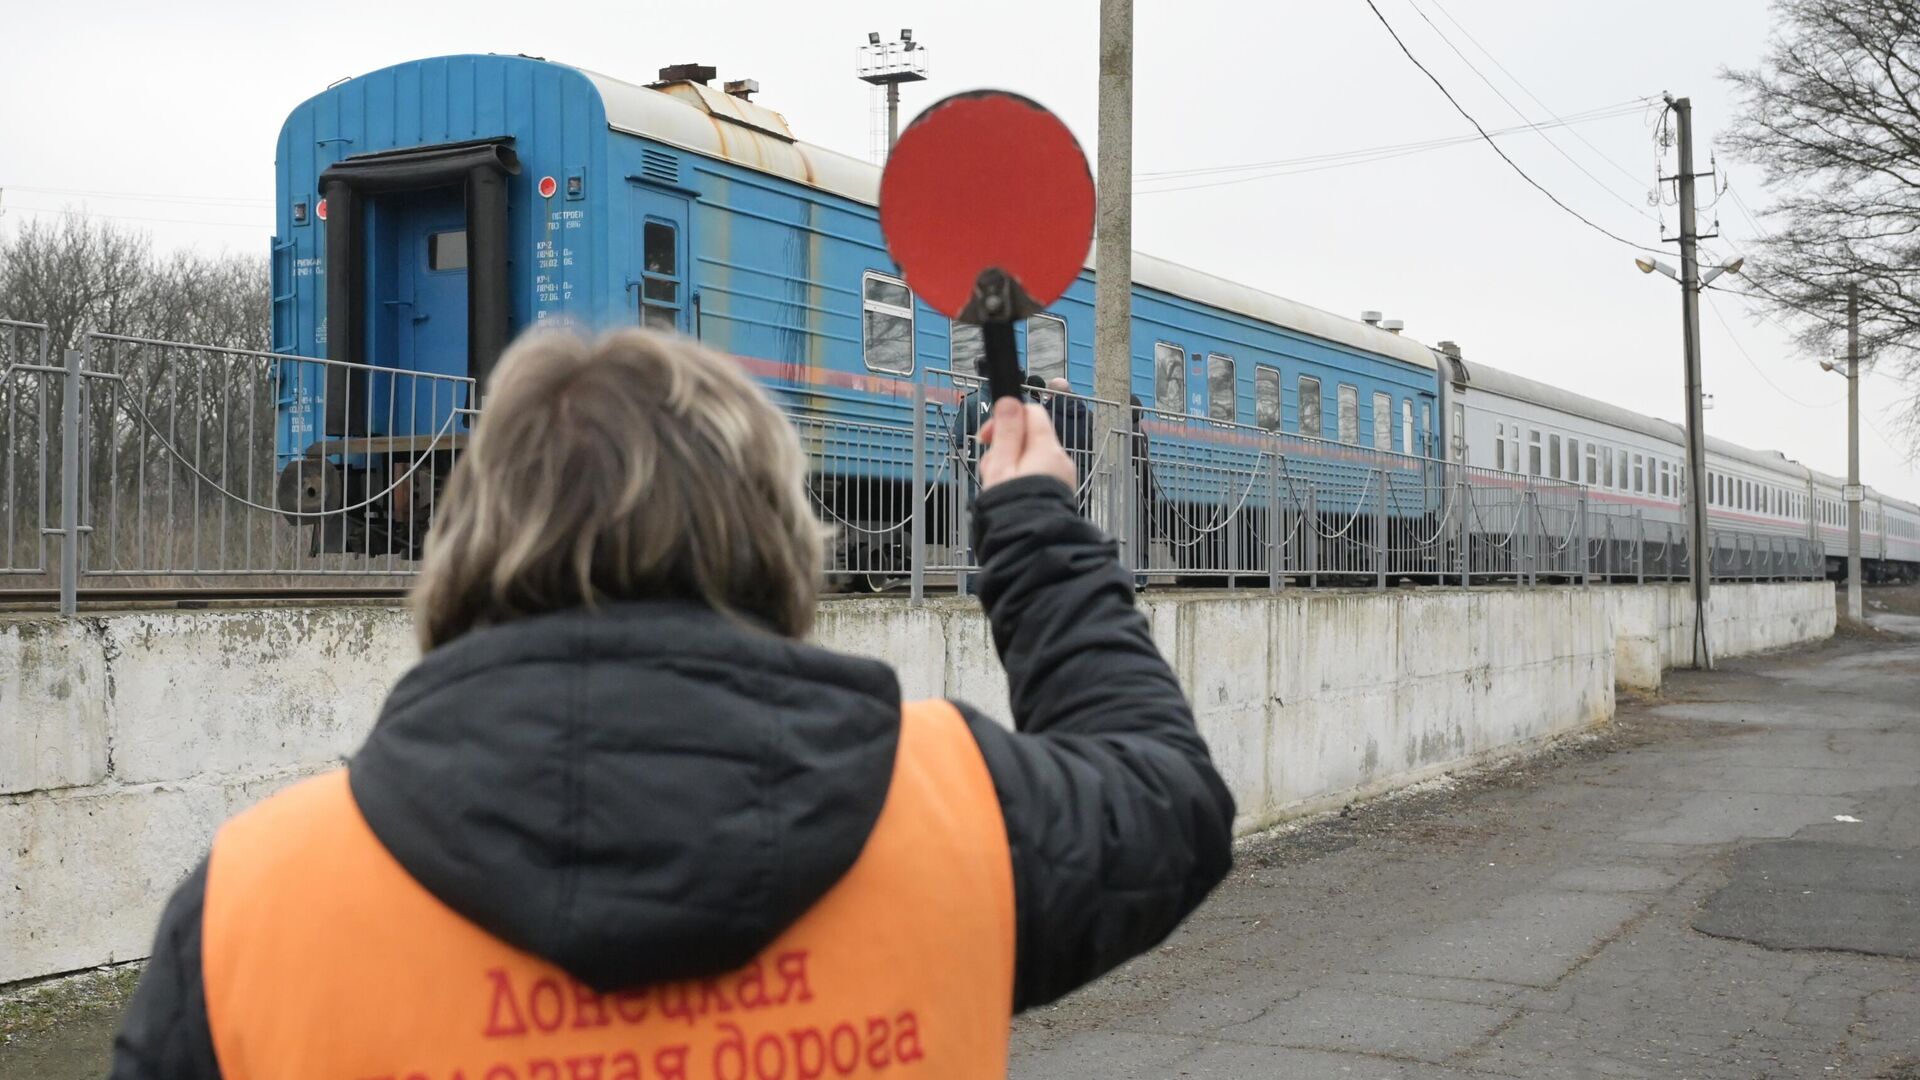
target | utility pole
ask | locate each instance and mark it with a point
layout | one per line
(1113, 238)
(1702, 558)
(1854, 494)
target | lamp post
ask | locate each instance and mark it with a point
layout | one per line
(1691, 281)
(1854, 494)
(888, 64)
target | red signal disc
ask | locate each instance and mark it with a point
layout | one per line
(548, 187)
(987, 179)
(320, 210)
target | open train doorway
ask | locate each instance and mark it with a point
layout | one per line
(417, 313)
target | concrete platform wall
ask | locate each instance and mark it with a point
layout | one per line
(126, 739)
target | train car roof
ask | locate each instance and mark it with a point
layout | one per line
(697, 117)
(1493, 380)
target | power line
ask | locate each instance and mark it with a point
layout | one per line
(1748, 357)
(1867, 420)
(1535, 97)
(1603, 112)
(1322, 162)
(1582, 218)
(1624, 201)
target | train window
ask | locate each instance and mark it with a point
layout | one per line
(1169, 377)
(447, 250)
(1309, 406)
(659, 278)
(1639, 473)
(1047, 346)
(1666, 479)
(1593, 465)
(1221, 388)
(1406, 426)
(1460, 433)
(1266, 397)
(1573, 459)
(887, 328)
(1349, 413)
(1500, 447)
(1533, 453)
(1383, 421)
(1426, 426)
(1553, 456)
(965, 347)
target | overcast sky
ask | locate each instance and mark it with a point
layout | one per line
(180, 104)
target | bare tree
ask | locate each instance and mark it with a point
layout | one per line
(173, 429)
(1832, 117)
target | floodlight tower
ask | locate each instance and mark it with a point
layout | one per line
(888, 64)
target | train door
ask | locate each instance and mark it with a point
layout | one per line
(418, 309)
(659, 276)
(419, 283)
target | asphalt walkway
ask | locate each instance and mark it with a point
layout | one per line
(1726, 883)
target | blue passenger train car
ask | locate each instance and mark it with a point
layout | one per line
(430, 211)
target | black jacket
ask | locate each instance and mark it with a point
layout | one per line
(716, 823)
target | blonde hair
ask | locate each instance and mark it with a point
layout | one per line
(635, 466)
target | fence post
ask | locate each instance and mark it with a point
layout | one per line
(1380, 531)
(918, 568)
(1639, 547)
(1138, 527)
(1529, 536)
(1276, 537)
(1586, 552)
(70, 487)
(1463, 493)
(1310, 535)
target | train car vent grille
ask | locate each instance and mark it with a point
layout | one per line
(661, 168)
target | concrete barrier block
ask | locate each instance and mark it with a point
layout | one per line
(912, 640)
(1320, 747)
(1438, 712)
(88, 874)
(1237, 737)
(1223, 658)
(1435, 633)
(973, 671)
(248, 692)
(1351, 641)
(53, 704)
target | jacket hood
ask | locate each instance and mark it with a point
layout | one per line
(638, 794)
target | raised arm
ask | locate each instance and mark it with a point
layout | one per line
(1118, 823)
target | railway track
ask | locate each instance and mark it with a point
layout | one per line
(36, 599)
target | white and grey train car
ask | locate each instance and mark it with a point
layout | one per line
(1632, 467)
(1889, 530)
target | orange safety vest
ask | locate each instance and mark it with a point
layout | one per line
(324, 959)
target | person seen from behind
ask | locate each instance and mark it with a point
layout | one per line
(622, 816)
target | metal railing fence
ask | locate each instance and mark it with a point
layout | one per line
(30, 404)
(137, 462)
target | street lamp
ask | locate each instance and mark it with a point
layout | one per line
(1854, 493)
(888, 64)
(1691, 282)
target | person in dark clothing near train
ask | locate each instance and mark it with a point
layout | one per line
(1141, 453)
(1073, 426)
(622, 820)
